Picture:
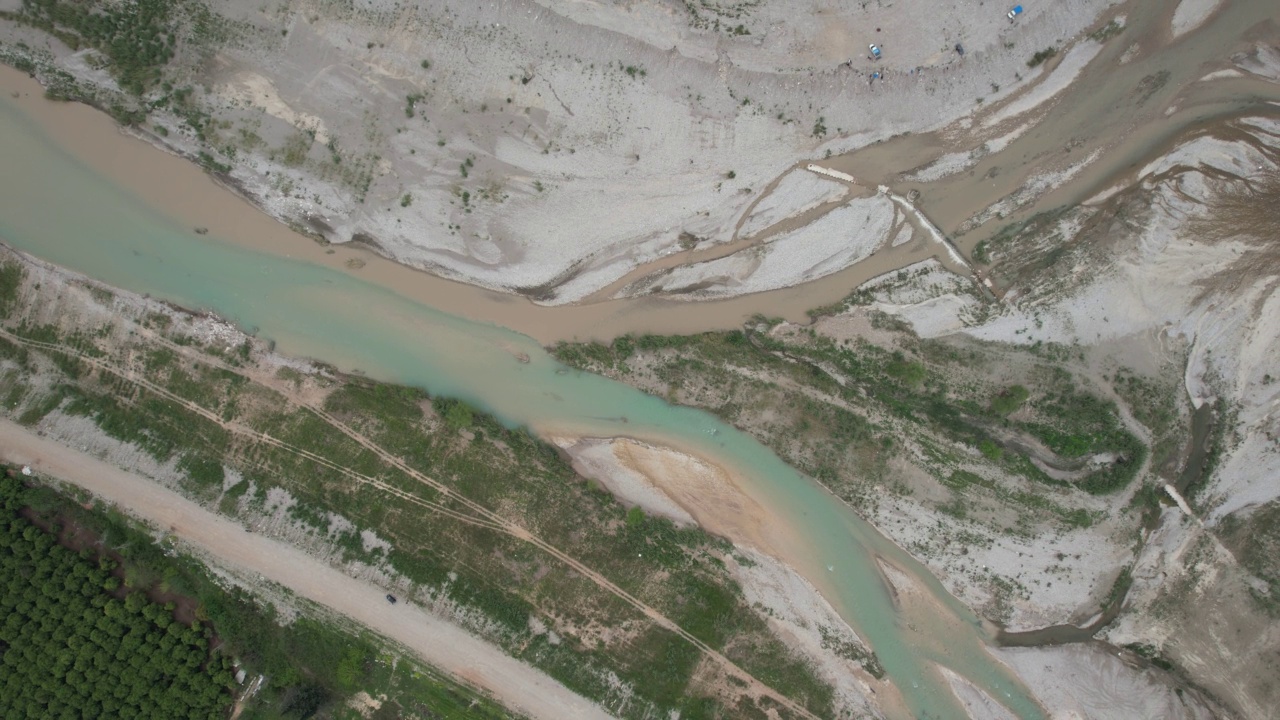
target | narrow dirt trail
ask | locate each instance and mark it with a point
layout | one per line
(442, 644)
(482, 517)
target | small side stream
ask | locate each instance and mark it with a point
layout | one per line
(1198, 451)
(1067, 633)
(1199, 448)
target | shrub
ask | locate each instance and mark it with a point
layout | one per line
(1042, 55)
(1009, 400)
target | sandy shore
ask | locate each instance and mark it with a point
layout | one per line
(676, 484)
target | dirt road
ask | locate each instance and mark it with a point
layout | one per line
(441, 644)
(477, 515)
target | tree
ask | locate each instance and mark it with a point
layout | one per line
(68, 649)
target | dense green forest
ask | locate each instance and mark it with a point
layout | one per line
(80, 638)
(73, 647)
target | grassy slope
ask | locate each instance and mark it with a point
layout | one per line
(843, 410)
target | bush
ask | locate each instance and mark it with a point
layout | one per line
(910, 373)
(457, 414)
(990, 450)
(1009, 400)
(1042, 55)
(982, 253)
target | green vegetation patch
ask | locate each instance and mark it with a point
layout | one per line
(72, 645)
(1076, 424)
(1009, 400)
(1106, 32)
(137, 37)
(1042, 55)
(839, 410)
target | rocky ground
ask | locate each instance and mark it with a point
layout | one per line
(1155, 296)
(548, 148)
(1184, 287)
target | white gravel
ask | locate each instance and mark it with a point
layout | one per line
(1115, 690)
(1191, 14)
(1062, 76)
(796, 193)
(835, 241)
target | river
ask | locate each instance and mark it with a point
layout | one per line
(78, 194)
(61, 209)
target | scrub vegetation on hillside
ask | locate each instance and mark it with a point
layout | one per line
(841, 410)
(136, 38)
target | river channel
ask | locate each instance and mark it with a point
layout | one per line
(60, 209)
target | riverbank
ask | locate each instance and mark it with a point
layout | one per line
(173, 186)
(784, 273)
(381, 526)
(481, 148)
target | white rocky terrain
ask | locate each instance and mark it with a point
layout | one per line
(549, 147)
(1187, 281)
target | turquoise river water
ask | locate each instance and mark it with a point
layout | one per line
(56, 208)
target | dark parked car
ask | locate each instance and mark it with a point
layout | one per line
(391, 599)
